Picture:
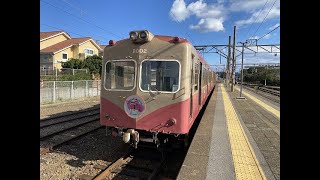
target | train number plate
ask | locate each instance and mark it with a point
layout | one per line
(139, 50)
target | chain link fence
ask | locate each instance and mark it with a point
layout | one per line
(53, 91)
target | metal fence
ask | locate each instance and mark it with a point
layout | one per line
(62, 71)
(53, 91)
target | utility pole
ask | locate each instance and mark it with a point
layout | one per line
(228, 62)
(233, 58)
(243, 44)
(265, 77)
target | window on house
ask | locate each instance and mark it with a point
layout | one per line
(88, 51)
(64, 56)
(45, 58)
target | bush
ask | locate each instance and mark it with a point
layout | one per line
(93, 63)
(73, 64)
(68, 77)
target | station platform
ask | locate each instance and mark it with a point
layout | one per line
(236, 139)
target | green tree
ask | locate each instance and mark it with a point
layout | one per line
(93, 63)
(73, 64)
(260, 74)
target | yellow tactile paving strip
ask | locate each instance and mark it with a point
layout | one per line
(245, 162)
(264, 105)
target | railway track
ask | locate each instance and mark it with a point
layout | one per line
(68, 117)
(267, 92)
(138, 163)
(59, 130)
(49, 143)
(270, 91)
(145, 162)
(273, 87)
(50, 131)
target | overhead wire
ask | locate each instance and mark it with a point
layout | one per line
(264, 18)
(41, 24)
(82, 19)
(268, 32)
(257, 17)
(71, 32)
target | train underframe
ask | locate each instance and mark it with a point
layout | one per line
(135, 138)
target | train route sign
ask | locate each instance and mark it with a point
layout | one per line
(134, 106)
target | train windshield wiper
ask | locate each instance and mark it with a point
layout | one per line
(154, 94)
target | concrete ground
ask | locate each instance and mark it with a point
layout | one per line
(210, 156)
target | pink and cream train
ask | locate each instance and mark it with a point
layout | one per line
(153, 88)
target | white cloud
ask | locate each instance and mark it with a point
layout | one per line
(248, 6)
(197, 7)
(255, 37)
(257, 16)
(261, 58)
(211, 16)
(212, 11)
(276, 25)
(267, 36)
(179, 11)
(209, 24)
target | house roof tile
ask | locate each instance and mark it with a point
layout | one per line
(44, 35)
(64, 44)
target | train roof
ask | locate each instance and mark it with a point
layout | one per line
(170, 39)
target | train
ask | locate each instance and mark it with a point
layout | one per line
(153, 88)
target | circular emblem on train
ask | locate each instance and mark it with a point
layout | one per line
(134, 106)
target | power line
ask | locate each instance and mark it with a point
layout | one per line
(78, 8)
(64, 24)
(268, 32)
(81, 13)
(68, 31)
(257, 17)
(61, 29)
(81, 19)
(264, 18)
(73, 6)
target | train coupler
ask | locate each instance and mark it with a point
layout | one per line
(131, 136)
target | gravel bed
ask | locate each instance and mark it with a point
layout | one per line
(81, 156)
(59, 127)
(71, 117)
(70, 134)
(67, 107)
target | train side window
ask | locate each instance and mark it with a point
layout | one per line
(202, 75)
(196, 76)
(191, 67)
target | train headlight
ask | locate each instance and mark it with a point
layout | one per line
(143, 35)
(133, 36)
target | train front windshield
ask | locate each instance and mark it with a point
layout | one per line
(160, 75)
(120, 75)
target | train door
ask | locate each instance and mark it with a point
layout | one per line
(200, 85)
(208, 80)
(191, 84)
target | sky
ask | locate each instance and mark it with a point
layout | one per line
(202, 22)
